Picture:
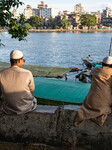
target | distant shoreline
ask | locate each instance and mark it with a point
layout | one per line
(65, 30)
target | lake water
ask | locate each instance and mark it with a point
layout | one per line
(62, 49)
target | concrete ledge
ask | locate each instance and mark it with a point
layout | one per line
(54, 126)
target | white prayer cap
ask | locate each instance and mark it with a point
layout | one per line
(16, 54)
(107, 60)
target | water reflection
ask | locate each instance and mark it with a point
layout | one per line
(58, 48)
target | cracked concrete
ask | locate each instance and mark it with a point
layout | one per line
(54, 126)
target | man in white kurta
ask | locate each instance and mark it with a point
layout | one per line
(17, 87)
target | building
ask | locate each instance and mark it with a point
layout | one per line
(15, 13)
(98, 16)
(48, 11)
(74, 19)
(106, 21)
(107, 12)
(79, 9)
(28, 12)
(106, 18)
(35, 12)
(42, 10)
(42, 5)
(65, 12)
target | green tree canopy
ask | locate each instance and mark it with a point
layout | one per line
(64, 23)
(57, 22)
(61, 22)
(16, 27)
(88, 20)
(35, 21)
(51, 21)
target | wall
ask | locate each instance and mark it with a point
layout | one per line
(54, 126)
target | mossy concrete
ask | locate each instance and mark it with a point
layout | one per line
(53, 125)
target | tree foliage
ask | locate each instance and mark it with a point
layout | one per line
(57, 21)
(64, 23)
(51, 22)
(15, 27)
(28, 25)
(88, 20)
(35, 21)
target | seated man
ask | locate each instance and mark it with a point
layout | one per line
(97, 103)
(16, 87)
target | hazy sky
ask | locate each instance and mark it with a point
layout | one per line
(89, 5)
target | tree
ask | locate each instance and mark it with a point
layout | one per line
(51, 22)
(64, 23)
(57, 22)
(16, 27)
(28, 25)
(88, 20)
(56, 27)
(35, 21)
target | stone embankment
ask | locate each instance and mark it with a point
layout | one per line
(70, 30)
(53, 125)
(65, 30)
(3, 30)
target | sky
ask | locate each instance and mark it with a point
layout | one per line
(89, 5)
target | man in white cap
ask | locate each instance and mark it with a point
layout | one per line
(97, 104)
(17, 87)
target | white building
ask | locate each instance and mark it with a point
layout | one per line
(16, 14)
(28, 12)
(79, 9)
(43, 10)
(47, 12)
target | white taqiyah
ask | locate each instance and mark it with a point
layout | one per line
(16, 54)
(107, 60)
